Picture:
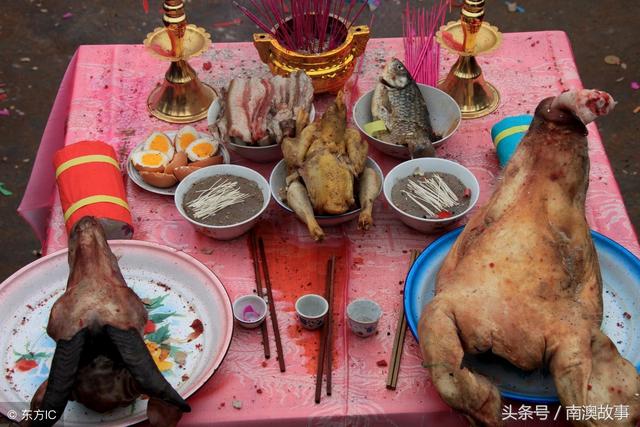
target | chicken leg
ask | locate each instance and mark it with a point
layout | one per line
(369, 189)
(298, 199)
(523, 281)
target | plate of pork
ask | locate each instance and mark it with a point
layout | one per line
(108, 324)
(255, 114)
(528, 283)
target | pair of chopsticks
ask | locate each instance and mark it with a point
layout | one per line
(257, 248)
(398, 342)
(325, 337)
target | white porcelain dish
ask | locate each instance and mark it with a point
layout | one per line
(137, 179)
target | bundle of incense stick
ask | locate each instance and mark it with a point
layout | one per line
(305, 26)
(422, 53)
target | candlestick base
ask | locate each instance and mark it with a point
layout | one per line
(182, 97)
(467, 86)
(465, 82)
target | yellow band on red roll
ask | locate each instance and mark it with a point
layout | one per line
(90, 183)
(100, 198)
(93, 158)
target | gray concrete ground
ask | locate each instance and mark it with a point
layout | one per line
(35, 29)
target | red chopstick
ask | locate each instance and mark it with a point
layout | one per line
(331, 269)
(272, 306)
(256, 269)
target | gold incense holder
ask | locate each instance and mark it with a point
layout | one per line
(329, 71)
(468, 38)
(182, 97)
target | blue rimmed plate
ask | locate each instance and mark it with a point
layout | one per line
(621, 278)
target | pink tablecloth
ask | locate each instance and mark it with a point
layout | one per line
(104, 94)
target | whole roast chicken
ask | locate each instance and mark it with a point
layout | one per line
(326, 164)
(101, 359)
(523, 282)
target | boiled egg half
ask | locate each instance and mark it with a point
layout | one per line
(185, 137)
(201, 149)
(158, 141)
(149, 160)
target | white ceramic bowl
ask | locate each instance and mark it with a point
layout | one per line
(363, 316)
(444, 113)
(266, 154)
(311, 310)
(249, 305)
(430, 164)
(277, 182)
(223, 232)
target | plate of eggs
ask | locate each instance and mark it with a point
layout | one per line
(164, 159)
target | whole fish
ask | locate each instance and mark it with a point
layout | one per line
(398, 102)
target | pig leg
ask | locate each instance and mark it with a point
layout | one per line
(442, 351)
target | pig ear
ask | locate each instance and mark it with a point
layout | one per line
(62, 375)
(141, 366)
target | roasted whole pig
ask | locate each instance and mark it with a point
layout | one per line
(523, 282)
(326, 164)
(101, 359)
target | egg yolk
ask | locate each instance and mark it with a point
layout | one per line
(202, 150)
(159, 143)
(151, 159)
(185, 140)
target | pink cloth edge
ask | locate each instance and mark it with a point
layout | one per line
(35, 206)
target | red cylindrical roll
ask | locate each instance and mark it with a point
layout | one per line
(90, 184)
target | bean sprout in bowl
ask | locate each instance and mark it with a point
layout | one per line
(223, 201)
(435, 175)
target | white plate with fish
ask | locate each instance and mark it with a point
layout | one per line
(135, 176)
(444, 114)
(621, 314)
(188, 334)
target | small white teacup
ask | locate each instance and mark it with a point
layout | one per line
(311, 310)
(363, 316)
(250, 311)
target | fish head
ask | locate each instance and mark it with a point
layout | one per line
(395, 75)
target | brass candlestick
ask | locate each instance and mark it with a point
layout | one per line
(182, 97)
(465, 82)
